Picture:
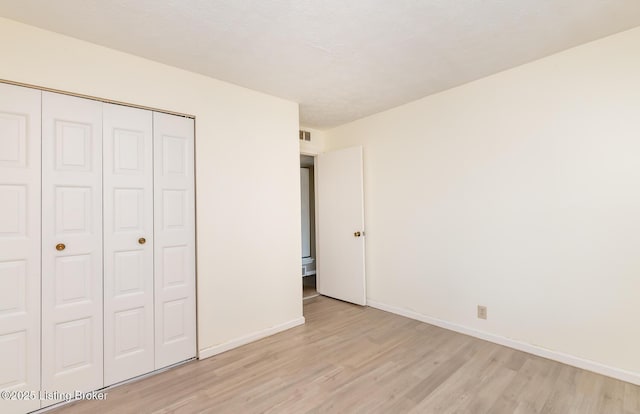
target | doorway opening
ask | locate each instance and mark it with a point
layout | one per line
(308, 216)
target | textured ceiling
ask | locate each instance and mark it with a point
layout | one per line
(340, 59)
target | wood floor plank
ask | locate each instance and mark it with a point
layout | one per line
(631, 399)
(564, 394)
(611, 396)
(508, 400)
(534, 396)
(351, 359)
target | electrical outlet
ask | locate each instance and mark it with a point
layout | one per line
(482, 312)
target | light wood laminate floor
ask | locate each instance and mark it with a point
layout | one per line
(349, 359)
(309, 292)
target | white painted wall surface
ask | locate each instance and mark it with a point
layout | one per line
(247, 180)
(520, 192)
(317, 143)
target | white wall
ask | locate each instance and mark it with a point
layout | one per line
(247, 179)
(317, 143)
(520, 192)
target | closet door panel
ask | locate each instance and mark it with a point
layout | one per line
(19, 245)
(128, 243)
(174, 223)
(71, 244)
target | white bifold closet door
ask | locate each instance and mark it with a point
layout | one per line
(97, 243)
(19, 245)
(72, 314)
(175, 319)
(128, 243)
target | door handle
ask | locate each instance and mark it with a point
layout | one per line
(60, 247)
(356, 234)
(142, 240)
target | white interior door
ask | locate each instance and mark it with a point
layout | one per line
(71, 244)
(128, 242)
(340, 222)
(19, 245)
(174, 229)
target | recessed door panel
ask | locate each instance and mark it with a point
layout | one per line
(20, 169)
(174, 208)
(13, 287)
(71, 244)
(73, 210)
(174, 154)
(129, 151)
(129, 209)
(73, 346)
(13, 130)
(13, 360)
(175, 325)
(128, 243)
(13, 220)
(130, 273)
(74, 142)
(175, 266)
(130, 333)
(72, 283)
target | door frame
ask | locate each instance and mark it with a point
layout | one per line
(314, 154)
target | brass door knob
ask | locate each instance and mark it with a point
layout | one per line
(142, 240)
(60, 247)
(356, 234)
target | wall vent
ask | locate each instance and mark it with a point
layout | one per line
(305, 135)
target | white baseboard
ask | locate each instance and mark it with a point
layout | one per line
(609, 371)
(243, 340)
